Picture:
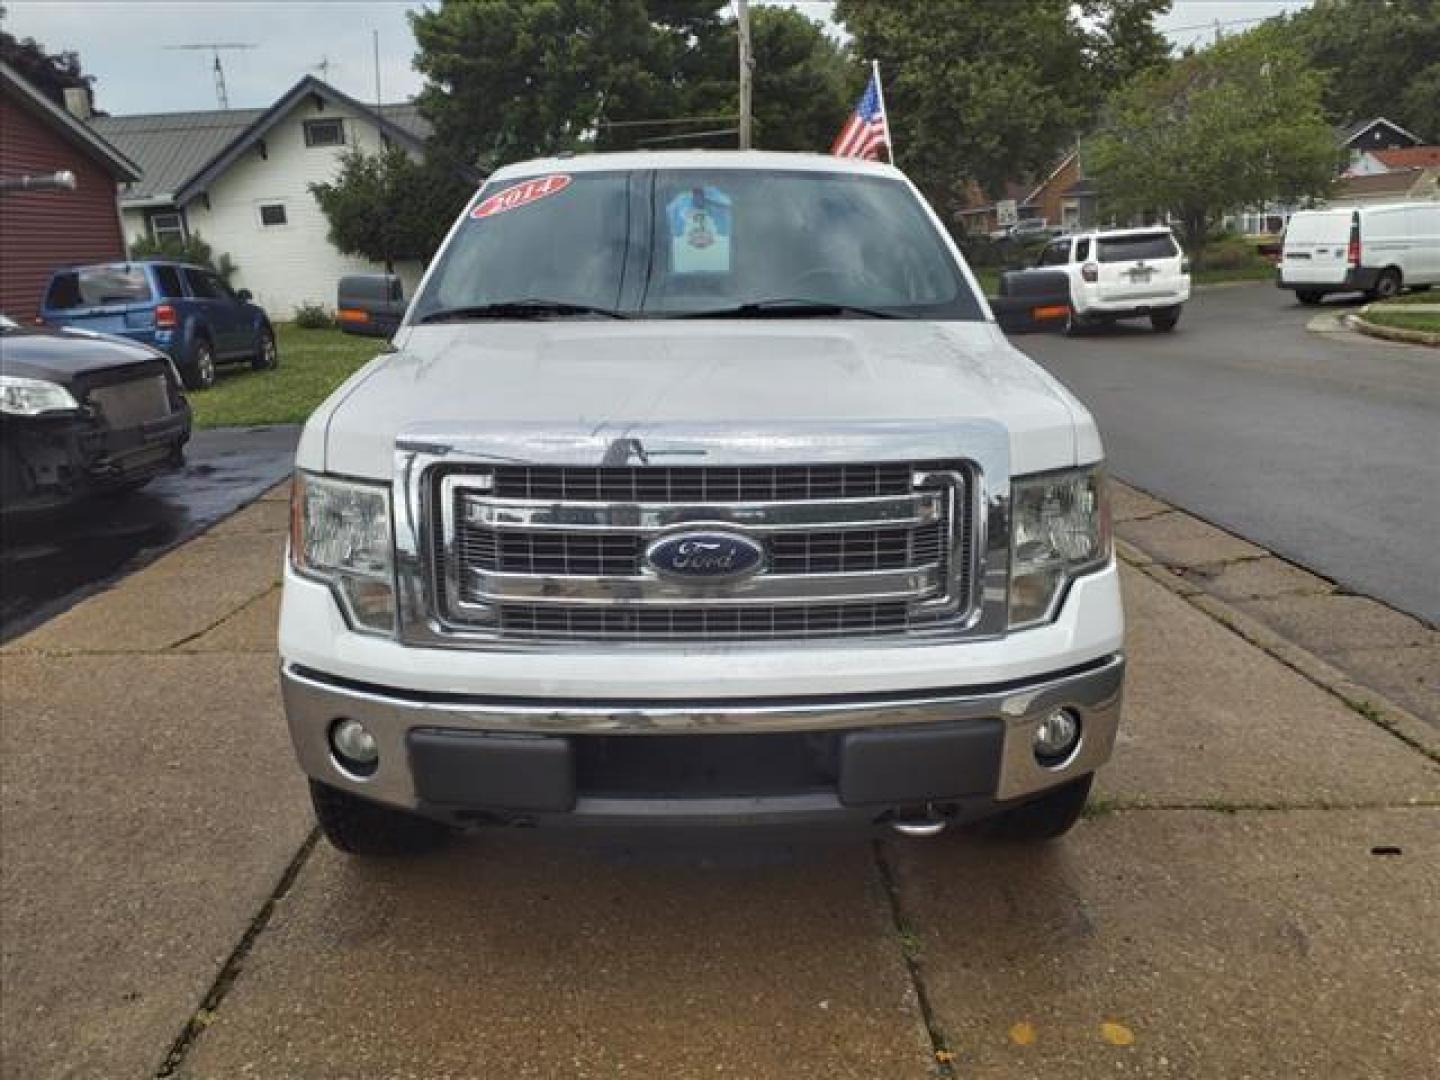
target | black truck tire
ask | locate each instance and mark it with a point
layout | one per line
(362, 827)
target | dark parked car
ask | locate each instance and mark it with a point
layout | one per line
(370, 304)
(82, 413)
(184, 311)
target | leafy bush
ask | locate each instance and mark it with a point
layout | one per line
(313, 317)
(193, 249)
(1229, 253)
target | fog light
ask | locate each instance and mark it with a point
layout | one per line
(1056, 737)
(355, 747)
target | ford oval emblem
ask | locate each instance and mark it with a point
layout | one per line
(705, 556)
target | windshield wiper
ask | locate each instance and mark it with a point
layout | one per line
(785, 308)
(520, 309)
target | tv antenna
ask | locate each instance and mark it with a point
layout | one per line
(214, 48)
(324, 66)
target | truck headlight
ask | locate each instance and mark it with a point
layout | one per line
(20, 396)
(1059, 529)
(340, 534)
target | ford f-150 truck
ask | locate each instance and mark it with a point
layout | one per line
(699, 488)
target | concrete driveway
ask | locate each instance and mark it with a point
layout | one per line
(1253, 894)
(1322, 447)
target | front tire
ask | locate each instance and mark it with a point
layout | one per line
(1050, 816)
(199, 369)
(267, 354)
(362, 827)
(1165, 319)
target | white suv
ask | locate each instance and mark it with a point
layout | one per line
(1121, 274)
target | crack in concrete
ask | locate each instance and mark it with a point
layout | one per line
(204, 1015)
(942, 1056)
(232, 613)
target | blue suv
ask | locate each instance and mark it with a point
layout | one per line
(183, 310)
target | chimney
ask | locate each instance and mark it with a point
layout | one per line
(77, 102)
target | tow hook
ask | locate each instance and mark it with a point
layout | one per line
(924, 824)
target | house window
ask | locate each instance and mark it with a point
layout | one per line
(167, 225)
(272, 214)
(324, 132)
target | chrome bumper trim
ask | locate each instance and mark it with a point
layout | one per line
(313, 702)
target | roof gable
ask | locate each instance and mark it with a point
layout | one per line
(66, 126)
(1349, 135)
(262, 124)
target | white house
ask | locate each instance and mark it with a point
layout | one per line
(240, 178)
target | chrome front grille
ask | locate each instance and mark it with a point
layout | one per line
(557, 553)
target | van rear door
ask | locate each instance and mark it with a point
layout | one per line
(114, 299)
(1316, 247)
(1139, 266)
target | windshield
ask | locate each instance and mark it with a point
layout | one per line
(674, 243)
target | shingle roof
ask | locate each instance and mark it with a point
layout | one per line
(173, 149)
(1397, 181)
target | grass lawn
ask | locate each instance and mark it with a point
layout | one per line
(1428, 296)
(1260, 270)
(312, 363)
(1395, 315)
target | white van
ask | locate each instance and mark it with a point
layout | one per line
(1377, 250)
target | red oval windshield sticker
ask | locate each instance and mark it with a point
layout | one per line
(521, 194)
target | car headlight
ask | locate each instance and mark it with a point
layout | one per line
(31, 397)
(340, 534)
(1059, 529)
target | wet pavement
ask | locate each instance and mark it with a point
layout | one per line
(50, 564)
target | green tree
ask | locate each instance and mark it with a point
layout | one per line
(989, 90)
(50, 73)
(1380, 58)
(510, 79)
(386, 205)
(1231, 126)
(193, 249)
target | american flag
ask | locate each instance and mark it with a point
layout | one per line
(868, 129)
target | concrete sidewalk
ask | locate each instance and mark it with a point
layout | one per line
(1253, 893)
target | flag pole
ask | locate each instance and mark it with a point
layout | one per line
(880, 93)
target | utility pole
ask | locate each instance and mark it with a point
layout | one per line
(747, 70)
(375, 34)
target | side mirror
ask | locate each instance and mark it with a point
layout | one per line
(370, 304)
(245, 296)
(1033, 302)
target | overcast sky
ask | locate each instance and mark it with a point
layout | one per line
(124, 44)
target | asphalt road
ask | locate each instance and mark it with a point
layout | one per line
(49, 563)
(1324, 448)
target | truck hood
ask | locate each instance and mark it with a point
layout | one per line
(597, 382)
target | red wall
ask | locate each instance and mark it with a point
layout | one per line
(40, 230)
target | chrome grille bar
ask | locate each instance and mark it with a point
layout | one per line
(538, 553)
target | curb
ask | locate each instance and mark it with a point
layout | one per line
(1375, 707)
(1392, 333)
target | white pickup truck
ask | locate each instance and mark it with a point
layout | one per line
(699, 488)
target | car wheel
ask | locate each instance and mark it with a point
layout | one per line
(1075, 323)
(1307, 296)
(267, 356)
(1165, 319)
(199, 370)
(1051, 815)
(1387, 285)
(362, 827)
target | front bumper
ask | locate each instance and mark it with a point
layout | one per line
(51, 461)
(961, 752)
